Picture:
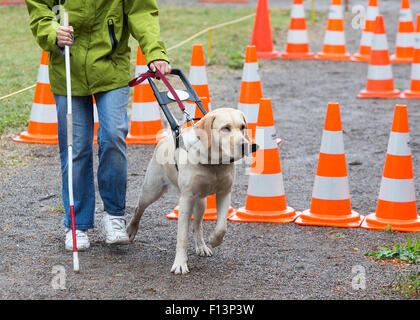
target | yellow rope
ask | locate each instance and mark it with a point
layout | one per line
(171, 48)
(17, 92)
(210, 28)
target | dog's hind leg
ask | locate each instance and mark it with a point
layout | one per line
(200, 246)
(222, 204)
(152, 189)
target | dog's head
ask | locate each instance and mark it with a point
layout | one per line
(224, 135)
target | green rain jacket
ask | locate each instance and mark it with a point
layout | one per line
(100, 55)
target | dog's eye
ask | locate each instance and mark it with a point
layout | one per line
(226, 129)
(243, 127)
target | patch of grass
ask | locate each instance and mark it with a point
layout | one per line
(409, 252)
(407, 284)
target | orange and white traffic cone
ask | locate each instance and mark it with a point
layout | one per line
(266, 199)
(380, 81)
(146, 124)
(297, 46)
(199, 82)
(42, 126)
(330, 204)
(404, 45)
(414, 91)
(251, 89)
(261, 34)
(198, 73)
(334, 47)
(367, 35)
(396, 206)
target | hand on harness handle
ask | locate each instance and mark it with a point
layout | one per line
(162, 65)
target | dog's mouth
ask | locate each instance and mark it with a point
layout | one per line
(246, 150)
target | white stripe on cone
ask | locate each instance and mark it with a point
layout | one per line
(332, 142)
(297, 36)
(95, 113)
(43, 76)
(380, 42)
(250, 72)
(331, 188)
(336, 12)
(405, 15)
(198, 75)
(334, 38)
(367, 38)
(45, 113)
(372, 13)
(266, 185)
(250, 111)
(398, 144)
(404, 40)
(415, 71)
(298, 11)
(140, 70)
(379, 72)
(265, 137)
(145, 111)
(397, 190)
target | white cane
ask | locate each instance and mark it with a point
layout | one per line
(70, 150)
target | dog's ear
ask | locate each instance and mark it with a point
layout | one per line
(203, 129)
(246, 127)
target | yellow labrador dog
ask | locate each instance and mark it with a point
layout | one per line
(203, 165)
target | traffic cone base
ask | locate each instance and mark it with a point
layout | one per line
(302, 56)
(408, 94)
(333, 56)
(395, 59)
(372, 222)
(379, 94)
(357, 57)
(42, 133)
(284, 216)
(349, 221)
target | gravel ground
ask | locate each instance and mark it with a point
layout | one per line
(256, 261)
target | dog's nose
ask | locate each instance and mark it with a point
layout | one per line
(254, 147)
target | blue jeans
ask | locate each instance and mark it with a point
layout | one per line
(112, 168)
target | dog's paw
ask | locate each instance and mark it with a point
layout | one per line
(132, 231)
(216, 239)
(203, 251)
(180, 267)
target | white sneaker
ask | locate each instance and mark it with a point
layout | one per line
(114, 228)
(82, 240)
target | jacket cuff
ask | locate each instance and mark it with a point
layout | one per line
(156, 56)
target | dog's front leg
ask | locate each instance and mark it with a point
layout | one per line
(186, 205)
(200, 246)
(222, 204)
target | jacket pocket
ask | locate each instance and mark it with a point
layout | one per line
(112, 37)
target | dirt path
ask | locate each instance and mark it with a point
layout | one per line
(256, 261)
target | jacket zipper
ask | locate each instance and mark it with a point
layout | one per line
(114, 41)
